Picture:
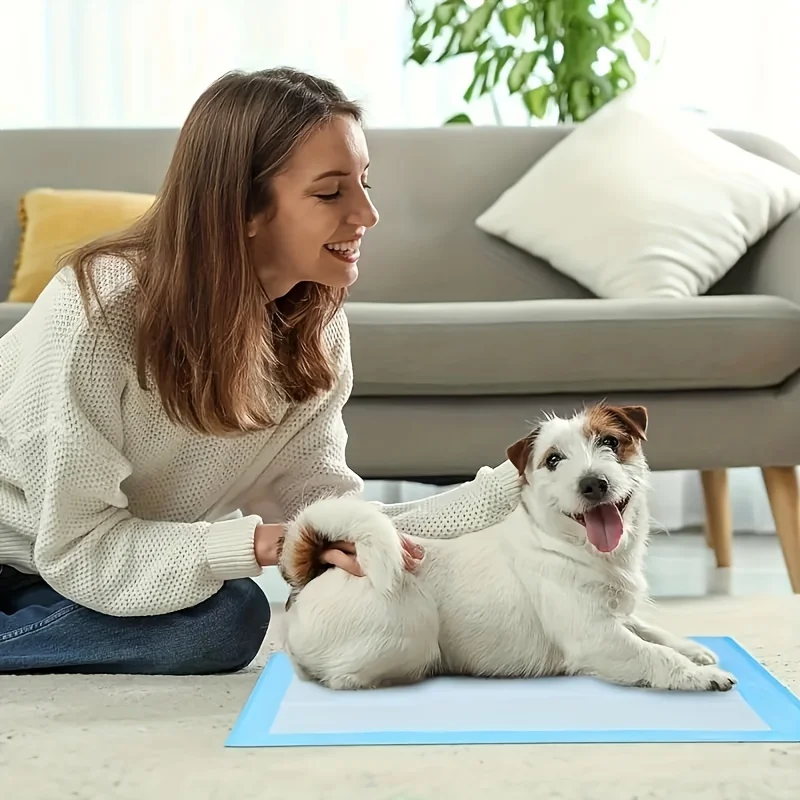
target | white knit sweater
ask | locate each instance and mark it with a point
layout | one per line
(124, 512)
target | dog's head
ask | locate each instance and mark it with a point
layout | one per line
(587, 474)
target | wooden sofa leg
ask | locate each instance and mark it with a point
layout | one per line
(719, 523)
(784, 500)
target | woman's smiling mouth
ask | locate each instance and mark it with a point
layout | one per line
(345, 251)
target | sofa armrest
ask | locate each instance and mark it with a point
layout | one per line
(11, 314)
(775, 264)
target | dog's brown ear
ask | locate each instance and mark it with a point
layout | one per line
(633, 419)
(519, 453)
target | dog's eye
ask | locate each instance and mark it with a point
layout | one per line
(611, 442)
(551, 462)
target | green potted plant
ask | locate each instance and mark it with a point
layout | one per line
(564, 59)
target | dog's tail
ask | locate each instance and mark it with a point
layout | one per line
(347, 519)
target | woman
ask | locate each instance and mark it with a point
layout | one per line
(180, 383)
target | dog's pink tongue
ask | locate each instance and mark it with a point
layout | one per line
(603, 527)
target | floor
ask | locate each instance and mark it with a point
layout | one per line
(123, 738)
(680, 565)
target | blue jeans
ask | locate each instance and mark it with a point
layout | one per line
(41, 631)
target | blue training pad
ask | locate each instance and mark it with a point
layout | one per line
(283, 711)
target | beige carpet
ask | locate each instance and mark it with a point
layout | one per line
(106, 737)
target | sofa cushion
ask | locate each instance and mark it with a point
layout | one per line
(54, 221)
(557, 346)
(642, 201)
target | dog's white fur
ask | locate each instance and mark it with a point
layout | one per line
(529, 596)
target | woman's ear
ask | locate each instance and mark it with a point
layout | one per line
(256, 224)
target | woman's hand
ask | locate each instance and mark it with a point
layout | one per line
(343, 555)
(266, 542)
(340, 554)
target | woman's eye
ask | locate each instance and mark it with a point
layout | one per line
(327, 198)
(551, 462)
(611, 442)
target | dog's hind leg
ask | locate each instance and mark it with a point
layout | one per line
(345, 635)
(347, 683)
(356, 681)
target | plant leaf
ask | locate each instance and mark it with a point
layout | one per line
(602, 91)
(554, 18)
(621, 17)
(521, 71)
(458, 119)
(620, 68)
(476, 24)
(419, 27)
(491, 75)
(501, 58)
(514, 18)
(450, 51)
(598, 25)
(538, 21)
(642, 44)
(536, 100)
(445, 12)
(480, 75)
(420, 53)
(580, 104)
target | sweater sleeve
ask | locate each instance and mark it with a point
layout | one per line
(310, 462)
(89, 546)
(484, 501)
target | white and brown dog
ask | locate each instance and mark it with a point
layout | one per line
(553, 589)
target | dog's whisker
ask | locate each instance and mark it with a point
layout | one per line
(657, 528)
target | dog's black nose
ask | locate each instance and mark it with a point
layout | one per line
(593, 487)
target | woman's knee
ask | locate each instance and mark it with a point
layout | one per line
(243, 616)
(230, 628)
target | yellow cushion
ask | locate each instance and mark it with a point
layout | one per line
(53, 221)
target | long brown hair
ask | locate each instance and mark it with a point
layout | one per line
(215, 347)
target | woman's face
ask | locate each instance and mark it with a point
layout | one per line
(320, 213)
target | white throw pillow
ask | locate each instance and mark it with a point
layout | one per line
(640, 202)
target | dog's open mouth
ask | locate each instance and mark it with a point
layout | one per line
(603, 524)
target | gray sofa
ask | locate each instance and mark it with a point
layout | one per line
(459, 339)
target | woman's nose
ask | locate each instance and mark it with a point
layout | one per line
(364, 213)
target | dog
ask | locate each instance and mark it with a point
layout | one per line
(556, 588)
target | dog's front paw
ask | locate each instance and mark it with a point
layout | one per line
(697, 653)
(704, 679)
